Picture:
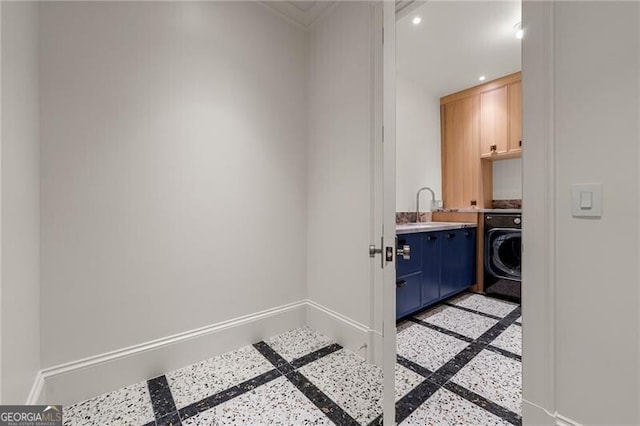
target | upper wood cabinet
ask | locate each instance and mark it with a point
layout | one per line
(494, 126)
(515, 116)
(501, 118)
(460, 153)
(478, 124)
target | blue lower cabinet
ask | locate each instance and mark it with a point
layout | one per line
(442, 264)
(408, 294)
(431, 267)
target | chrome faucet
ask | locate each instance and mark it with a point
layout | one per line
(433, 201)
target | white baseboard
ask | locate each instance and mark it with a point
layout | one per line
(82, 379)
(565, 421)
(534, 415)
(349, 333)
(36, 390)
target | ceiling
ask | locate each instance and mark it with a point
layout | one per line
(456, 42)
(302, 13)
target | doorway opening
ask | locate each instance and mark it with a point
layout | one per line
(458, 211)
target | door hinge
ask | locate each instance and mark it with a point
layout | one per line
(382, 35)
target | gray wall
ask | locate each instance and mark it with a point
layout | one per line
(173, 169)
(581, 96)
(597, 140)
(19, 292)
(418, 156)
(340, 135)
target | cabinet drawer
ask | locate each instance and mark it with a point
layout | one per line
(414, 264)
(408, 294)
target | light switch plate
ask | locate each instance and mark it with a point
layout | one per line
(586, 200)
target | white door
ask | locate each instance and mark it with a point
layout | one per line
(351, 201)
(389, 208)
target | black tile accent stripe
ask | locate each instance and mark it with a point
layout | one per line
(227, 394)
(378, 421)
(455, 364)
(273, 357)
(491, 334)
(332, 410)
(415, 398)
(172, 419)
(488, 405)
(314, 356)
(162, 401)
(441, 377)
(503, 352)
(442, 330)
(473, 311)
(415, 367)
(164, 406)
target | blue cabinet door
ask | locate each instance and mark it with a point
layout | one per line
(452, 261)
(458, 261)
(431, 262)
(408, 294)
(414, 264)
(469, 258)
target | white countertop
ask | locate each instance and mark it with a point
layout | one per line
(411, 228)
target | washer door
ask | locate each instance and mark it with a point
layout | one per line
(503, 256)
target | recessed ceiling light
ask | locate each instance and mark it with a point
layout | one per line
(417, 20)
(517, 28)
(482, 78)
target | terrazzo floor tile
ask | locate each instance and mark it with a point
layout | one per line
(197, 381)
(277, 403)
(299, 342)
(485, 304)
(510, 340)
(354, 384)
(462, 322)
(495, 377)
(128, 406)
(427, 347)
(445, 408)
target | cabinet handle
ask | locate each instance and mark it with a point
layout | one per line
(400, 284)
(474, 202)
(450, 235)
(404, 251)
(431, 238)
(493, 148)
(520, 144)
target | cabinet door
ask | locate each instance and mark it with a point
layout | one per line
(460, 153)
(515, 116)
(431, 267)
(493, 121)
(468, 258)
(452, 254)
(408, 294)
(414, 263)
